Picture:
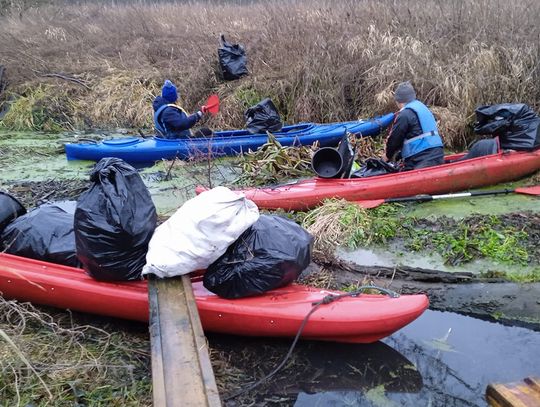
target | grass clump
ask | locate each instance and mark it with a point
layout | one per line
(248, 96)
(41, 108)
(121, 99)
(273, 163)
(340, 223)
(532, 276)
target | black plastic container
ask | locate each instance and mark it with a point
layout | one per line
(329, 162)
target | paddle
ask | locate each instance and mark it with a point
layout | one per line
(373, 203)
(212, 104)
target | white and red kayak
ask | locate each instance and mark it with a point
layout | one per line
(278, 313)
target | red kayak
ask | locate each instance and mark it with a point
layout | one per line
(362, 319)
(451, 177)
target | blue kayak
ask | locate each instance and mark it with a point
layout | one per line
(221, 143)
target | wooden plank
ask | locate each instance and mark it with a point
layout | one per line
(158, 381)
(182, 374)
(521, 394)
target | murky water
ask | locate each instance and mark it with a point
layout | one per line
(441, 359)
(38, 157)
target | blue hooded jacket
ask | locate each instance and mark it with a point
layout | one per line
(173, 120)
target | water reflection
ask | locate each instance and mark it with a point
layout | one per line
(322, 372)
(441, 359)
(459, 356)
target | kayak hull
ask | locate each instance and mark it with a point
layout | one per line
(222, 143)
(445, 178)
(278, 313)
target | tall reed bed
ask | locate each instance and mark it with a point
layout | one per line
(318, 60)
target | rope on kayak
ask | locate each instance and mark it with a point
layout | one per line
(328, 299)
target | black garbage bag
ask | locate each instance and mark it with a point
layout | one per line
(375, 166)
(516, 125)
(45, 233)
(232, 60)
(270, 254)
(263, 117)
(10, 209)
(114, 221)
(481, 148)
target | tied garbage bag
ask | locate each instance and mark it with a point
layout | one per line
(516, 125)
(199, 232)
(270, 254)
(232, 60)
(45, 233)
(114, 221)
(263, 117)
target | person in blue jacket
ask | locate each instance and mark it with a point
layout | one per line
(170, 120)
(414, 136)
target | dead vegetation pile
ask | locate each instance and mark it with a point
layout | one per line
(32, 193)
(56, 360)
(273, 163)
(318, 60)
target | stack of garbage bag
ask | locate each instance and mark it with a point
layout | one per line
(516, 125)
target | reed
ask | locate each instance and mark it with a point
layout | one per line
(318, 60)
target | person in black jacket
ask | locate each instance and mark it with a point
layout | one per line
(170, 120)
(414, 136)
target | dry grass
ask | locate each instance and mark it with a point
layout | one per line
(55, 358)
(58, 361)
(321, 278)
(319, 60)
(340, 223)
(333, 224)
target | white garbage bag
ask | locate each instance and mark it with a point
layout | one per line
(199, 232)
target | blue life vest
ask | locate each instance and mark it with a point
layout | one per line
(160, 126)
(429, 138)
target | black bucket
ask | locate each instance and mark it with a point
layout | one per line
(10, 209)
(327, 162)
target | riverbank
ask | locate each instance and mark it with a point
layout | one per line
(100, 65)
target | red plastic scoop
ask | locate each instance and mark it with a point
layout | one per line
(212, 104)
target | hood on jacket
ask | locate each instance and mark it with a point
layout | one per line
(158, 102)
